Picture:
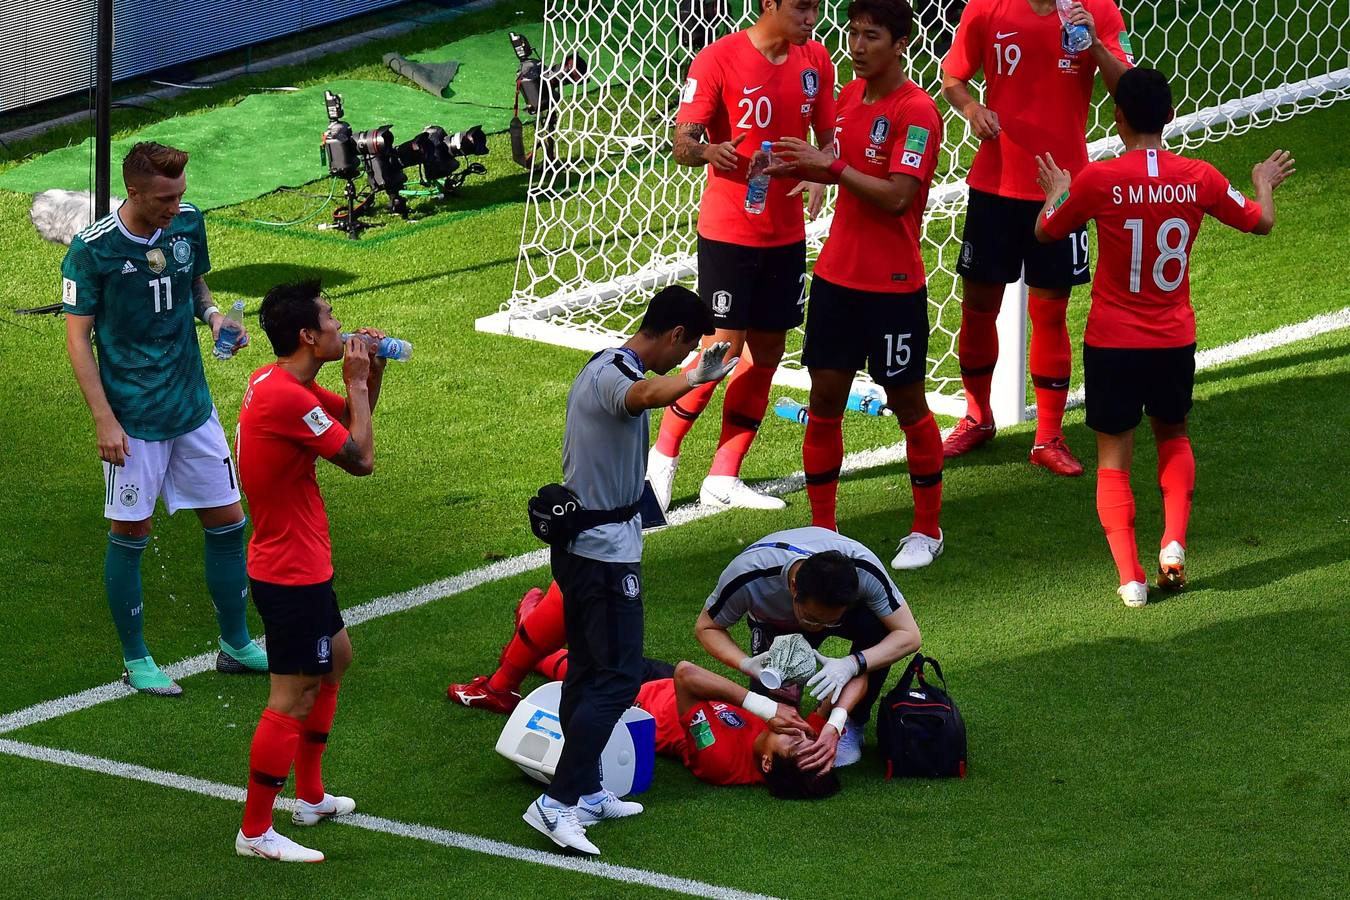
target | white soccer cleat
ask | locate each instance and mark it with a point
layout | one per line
(849, 749)
(609, 807)
(1172, 567)
(560, 826)
(730, 491)
(270, 845)
(1134, 594)
(917, 550)
(661, 474)
(314, 813)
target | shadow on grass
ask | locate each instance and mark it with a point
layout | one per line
(256, 279)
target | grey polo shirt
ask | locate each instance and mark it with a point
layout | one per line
(756, 581)
(605, 453)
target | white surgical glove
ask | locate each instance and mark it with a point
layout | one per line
(833, 675)
(712, 364)
(753, 665)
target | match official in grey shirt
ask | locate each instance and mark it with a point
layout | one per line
(600, 572)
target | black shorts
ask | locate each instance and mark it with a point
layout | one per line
(999, 239)
(763, 288)
(1120, 382)
(847, 329)
(300, 621)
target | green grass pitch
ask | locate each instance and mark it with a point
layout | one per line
(1194, 748)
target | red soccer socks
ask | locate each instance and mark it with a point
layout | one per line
(1176, 478)
(313, 741)
(1050, 362)
(539, 635)
(822, 455)
(742, 410)
(923, 450)
(269, 761)
(679, 418)
(1115, 508)
(977, 350)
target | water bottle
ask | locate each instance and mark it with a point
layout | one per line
(757, 189)
(1076, 37)
(869, 401)
(387, 348)
(227, 339)
(787, 408)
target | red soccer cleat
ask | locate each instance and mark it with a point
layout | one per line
(478, 695)
(1055, 457)
(966, 436)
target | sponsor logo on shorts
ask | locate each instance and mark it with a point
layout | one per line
(324, 650)
(721, 303)
(881, 129)
(318, 420)
(129, 495)
(810, 82)
(687, 92)
(631, 588)
(967, 252)
(68, 291)
(156, 260)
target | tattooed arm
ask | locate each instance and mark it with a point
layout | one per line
(690, 150)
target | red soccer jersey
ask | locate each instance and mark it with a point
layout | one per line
(283, 427)
(1148, 205)
(869, 249)
(720, 743)
(658, 698)
(1040, 92)
(733, 90)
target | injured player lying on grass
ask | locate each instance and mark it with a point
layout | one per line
(722, 733)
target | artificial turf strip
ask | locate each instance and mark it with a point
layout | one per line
(1113, 751)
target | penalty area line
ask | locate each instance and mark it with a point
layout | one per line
(440, 836)
(518, 565)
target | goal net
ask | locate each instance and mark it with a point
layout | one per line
(613, 216)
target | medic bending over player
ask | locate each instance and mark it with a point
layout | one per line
(722, 733)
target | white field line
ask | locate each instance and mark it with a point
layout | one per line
(516, 565)
(441, 836)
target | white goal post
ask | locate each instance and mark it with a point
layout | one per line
(613, 217)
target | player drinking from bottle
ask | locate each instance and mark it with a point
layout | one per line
(135, 279)
(1036, 98)
(1139, 348)
(762, 84)
(869, 304)
(287, 422)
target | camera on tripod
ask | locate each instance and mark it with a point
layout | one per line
(541, 87)
(435, 152)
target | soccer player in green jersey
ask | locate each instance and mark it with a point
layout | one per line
(134, 280)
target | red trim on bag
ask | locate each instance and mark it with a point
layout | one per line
(890, 769)
(920, 705)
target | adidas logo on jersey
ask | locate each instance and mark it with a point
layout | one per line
(128, 268)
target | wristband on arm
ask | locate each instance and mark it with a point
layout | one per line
(836, 169)
(207, 313)
(837, 718)
(862, 662)
(764, 707)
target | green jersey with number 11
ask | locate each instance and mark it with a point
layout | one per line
(139, 291)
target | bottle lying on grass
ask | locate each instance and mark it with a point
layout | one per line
(388, 347)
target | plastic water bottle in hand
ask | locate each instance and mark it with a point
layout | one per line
(1076, 37)
(787, 408)
(231, 327)
(386, 347)
(757, 190)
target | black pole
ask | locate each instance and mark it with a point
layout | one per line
(103, 110)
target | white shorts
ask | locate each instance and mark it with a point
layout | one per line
(191, 471)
